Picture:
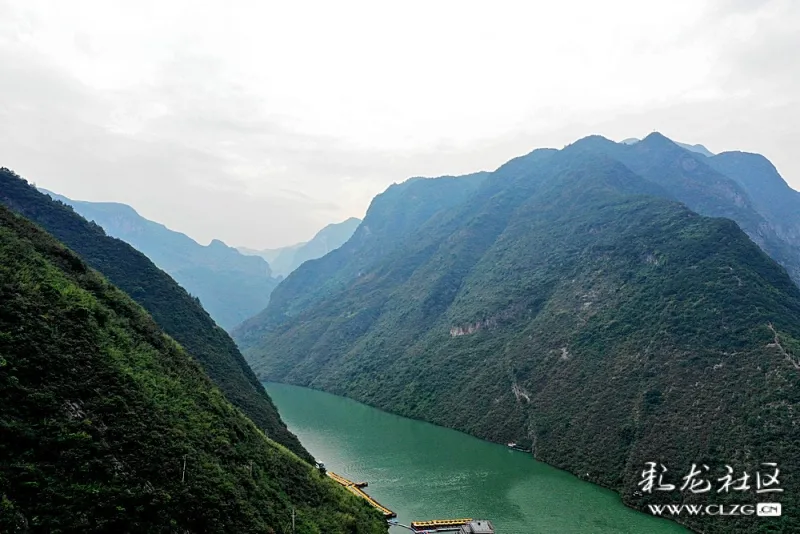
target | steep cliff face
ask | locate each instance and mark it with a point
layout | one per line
(567, 303)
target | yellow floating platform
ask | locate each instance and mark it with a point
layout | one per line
(355, 489)
(439, 523)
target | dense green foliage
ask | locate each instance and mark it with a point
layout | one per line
(100, 409)
(740, 188)
(285, 260)
(569, 305)
(392, 217)
(771, 195)
(176, 312)
(231, 286)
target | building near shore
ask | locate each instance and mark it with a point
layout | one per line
(477, 527)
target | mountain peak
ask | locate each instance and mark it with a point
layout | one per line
(591, 142)
(657, 138)
(592, 139)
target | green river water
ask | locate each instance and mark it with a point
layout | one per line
(422, 471)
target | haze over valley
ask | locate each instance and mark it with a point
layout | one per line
(313, 268)
(232, 284)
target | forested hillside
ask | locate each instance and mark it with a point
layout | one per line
(175, 311)
(771, 195)
(392, 217)
(712, 187)
(567, 303)
(109, 425)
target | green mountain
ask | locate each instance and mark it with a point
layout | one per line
(699, 149)
(109, 425)
(231, 285)
(287, 259)
(702, 184)
(176, 312)
(771, 195)
(392, 216)
(568, 303)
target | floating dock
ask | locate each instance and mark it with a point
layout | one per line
(344, 482)
(439, 525)
(355, 489)
(462, 526)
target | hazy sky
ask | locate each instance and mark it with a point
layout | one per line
(259, 122)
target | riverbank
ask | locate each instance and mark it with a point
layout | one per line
(423, 471)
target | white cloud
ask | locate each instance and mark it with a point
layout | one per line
(259, 122)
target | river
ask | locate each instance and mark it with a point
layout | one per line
(422, 471)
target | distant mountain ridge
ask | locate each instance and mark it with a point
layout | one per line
(231, 286)
(271, 254)
(771, 195)
(698, 149)
(286, 259)
(605, 305)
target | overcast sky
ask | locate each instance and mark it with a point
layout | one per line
(258, 122)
